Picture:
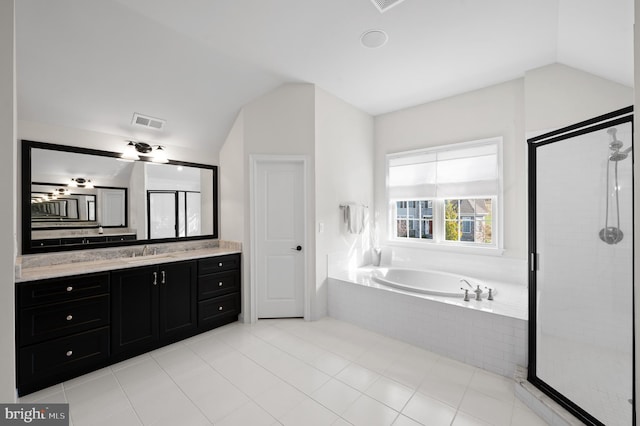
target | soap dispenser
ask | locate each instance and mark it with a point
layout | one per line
(100, 230)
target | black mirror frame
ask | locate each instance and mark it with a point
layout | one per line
(26, 200)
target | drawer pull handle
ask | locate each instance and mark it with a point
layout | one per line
(219, 308)
(155, 278)
(69, 317)
(220, 284)
(69, 288)
(69, 353)
(220, 264)
(164, 278)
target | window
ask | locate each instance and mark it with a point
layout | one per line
(469, 220)
(448, 195)
(414, 219)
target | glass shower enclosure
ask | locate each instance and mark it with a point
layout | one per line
(581, 268)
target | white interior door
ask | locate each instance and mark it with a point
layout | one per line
(162, 215)
(112, 207)
(279, 220)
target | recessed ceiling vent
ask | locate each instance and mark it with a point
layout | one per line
(384, 5)
(148, 122)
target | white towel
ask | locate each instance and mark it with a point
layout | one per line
(354, 216)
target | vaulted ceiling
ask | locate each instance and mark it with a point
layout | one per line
(91, 64)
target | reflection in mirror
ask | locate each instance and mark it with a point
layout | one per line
(84, 196)
(61, 206)
(176, 199)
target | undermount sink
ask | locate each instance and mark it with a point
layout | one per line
(149, 258)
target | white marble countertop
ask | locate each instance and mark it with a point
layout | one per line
(76, 268)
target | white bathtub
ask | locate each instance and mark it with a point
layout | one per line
(422, 307)
(431, 282)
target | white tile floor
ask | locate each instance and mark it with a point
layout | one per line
(290, 372)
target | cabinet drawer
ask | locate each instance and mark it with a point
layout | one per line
(50, 321)
(111, 238)
(213, 309)
(45, 243)
(213, 285)
(62, 289)
(61, 357)
(218, 264)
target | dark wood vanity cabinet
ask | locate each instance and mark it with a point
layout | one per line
(62, 329)
(218, 291)
(69, 326)
(152, 306)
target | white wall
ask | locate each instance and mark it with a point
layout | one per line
(231, 182)
(232, 209)
(138, 200)
(557, 96)
(51, 133)
(278, 123)
(8, 163)
(336, 139)
(484, 113)
(344, 173)
(546, 98)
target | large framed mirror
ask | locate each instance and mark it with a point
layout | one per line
(79, 198)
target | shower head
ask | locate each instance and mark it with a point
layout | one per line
(619, 155)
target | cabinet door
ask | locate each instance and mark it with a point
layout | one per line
(134, 304)
(178, 299)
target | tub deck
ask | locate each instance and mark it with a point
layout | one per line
(511, 300)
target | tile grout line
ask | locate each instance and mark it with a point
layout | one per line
(126, 396)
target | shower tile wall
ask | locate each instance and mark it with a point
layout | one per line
(591, 267)
(584, 313)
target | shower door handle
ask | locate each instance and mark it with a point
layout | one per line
(533, 263)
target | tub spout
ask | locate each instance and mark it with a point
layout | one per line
(462, 280)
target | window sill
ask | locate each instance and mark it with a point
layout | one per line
(447, 248)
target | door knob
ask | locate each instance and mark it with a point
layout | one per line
(297, 248)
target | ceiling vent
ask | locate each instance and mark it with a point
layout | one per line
(148, 122)
(384, 5)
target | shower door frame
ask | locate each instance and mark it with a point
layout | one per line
(621, 116)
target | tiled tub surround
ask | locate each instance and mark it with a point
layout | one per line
(487, 334)
(50, 265)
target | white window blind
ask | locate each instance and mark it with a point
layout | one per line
(461, 170)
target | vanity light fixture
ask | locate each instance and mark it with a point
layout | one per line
(160, 156)
(130, 153)
(133, 150)
(81, 183)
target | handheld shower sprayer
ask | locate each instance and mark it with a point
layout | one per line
(613, 234)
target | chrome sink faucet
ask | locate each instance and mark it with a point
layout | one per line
(144, 250)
